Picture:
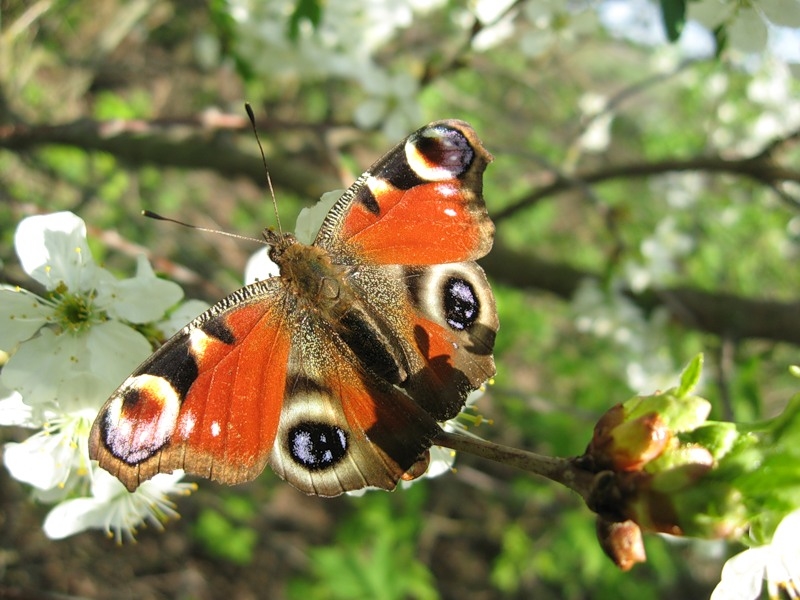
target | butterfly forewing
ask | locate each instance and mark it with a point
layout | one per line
(421, 204)
(207, 401)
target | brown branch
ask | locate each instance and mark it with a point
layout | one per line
(779, 144)
(762, 170)
(565, 471)
(723, 314)
(205, 142)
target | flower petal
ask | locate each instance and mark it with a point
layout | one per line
(48, 458)
(69, 372)
(260, 267)
(179, 317)
(747, 33)
(73, 516)
(742, 576)
(22, 314)
(52, 249)
(114, 509)
(34, 463)
(114, 351)
(786, 543)
(139, 299)
(13, 411)
(310, 218)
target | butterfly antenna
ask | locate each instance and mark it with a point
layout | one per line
(152, 215)
(252, 117)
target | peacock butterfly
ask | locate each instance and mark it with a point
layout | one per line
(337, 371)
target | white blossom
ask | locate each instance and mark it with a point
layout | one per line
(777, 562)
(74, 346)
(67, 352)
(640, 339)
(115, 510)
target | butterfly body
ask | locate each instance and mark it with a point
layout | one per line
(336, 372)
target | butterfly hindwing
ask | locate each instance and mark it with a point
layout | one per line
(440, 321)
(343, 428)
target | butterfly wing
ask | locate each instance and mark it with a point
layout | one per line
(410, 226)
(342, 427)
(421, 204)
(208, 401)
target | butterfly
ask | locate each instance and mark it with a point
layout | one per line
(337, 372)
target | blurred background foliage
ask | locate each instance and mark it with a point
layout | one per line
(646, 202)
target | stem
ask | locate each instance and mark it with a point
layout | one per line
(561, 470)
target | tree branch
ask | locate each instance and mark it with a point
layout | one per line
(759, 168)
(723, 314)
(204, 142)
(565, 471)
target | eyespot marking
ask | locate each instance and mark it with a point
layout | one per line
(439, 153)
(460, 303)
(317, 446)
(139, 421)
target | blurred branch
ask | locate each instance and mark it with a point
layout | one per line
(458, 59)
(728, 315)
(760, 168)
(204, 142)
(201, 143)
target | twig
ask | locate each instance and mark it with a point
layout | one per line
(720, 313)
(760, 170)
(560, 470)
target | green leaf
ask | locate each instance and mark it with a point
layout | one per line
(690, 376)
(673, 13)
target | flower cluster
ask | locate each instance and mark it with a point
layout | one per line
(67, 350)
(342, 45)
(610, 313)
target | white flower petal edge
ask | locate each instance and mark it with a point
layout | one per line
(13, 411)
(47, 459)
(310, 218)
(179, 317)
(742, 576)
(70, 372)
(778, 562)
(114, 350)
(115, 510)
(52, 249)
(22, 314)
(139, 299)
(260, 267)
